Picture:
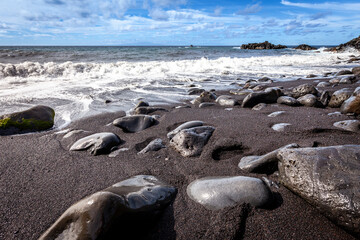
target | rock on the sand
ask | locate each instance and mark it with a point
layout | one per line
(93, 216)
(260, 97)
(323, 84)
(328, 177)
(216, 193)
(190, 142)
(349, 125)
(225, 100)
(254, 163)
(186, 125)
(37, 118)
(303, 89)
(308, 100)
(275, 114)
(259, 106)
(280, 127)
(286, 100)
(154, 145)
(135, 123)
(352, 105)
(205, 97)
(206, 104)
(97, 143)
(339, 97)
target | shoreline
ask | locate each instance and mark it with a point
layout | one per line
(41, 178)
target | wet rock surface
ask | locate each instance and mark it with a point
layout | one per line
(190, 142)
(98, 143)
(37, 118)
(327, 177)
(136, 123)
(217, 193)
(260, 97)
(93, 216)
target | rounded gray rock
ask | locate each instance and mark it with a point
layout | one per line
(286, 100)
(216, 193)
(135, 123)
(304, 89)
(97, 143)
(308, 100)
(225, 100)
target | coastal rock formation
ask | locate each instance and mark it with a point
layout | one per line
(37, 118)
(349, 125)
(328, 177)
(183, 126)
(225, 100)
(351, 105)
(136, 123)
(305, 47)
(303, 89)
(154, 145)
(258, 163)
(190, 142)
(339, 97)
(261, 46)
(97, 143)
(216, 193)
(286, 100)
(260, 97)
(354, 43)
(93, 216)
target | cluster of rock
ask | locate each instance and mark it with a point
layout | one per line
(327, 177)
(261, 46)
(305, 47)
(354, 43)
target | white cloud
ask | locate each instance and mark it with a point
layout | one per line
(250, 9)
(336, 6)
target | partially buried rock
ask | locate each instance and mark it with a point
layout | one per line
(190, 142)
(259, 107)
(325, 98)
(260, 97)
(286, 100)
(303, 89)
(225, 100)
(309, 100)
(352, 105)
(280, 127)
(216, 193)
(135, 123)
(256, 163)
(97, 143)
(339, 97)
(349, 125)
(327, 177)
(93, 216)
(206, 104)
(275, 114)
(205, 97)
(153, 146)
(34, 119)
(183, 126)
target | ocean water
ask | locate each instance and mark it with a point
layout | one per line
(76, 81)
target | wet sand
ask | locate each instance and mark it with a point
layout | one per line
(40, 178)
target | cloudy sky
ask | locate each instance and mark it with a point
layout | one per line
(177, 22)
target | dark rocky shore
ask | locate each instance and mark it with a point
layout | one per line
(270, 160)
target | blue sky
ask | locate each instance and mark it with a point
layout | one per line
(177, 22)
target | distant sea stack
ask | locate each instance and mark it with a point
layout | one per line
(305, 47)
(354, 43)
(261, 46)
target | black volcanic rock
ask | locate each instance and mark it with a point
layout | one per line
(305, 47)
(261, 46)
(354, 43)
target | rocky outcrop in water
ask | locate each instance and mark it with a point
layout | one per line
(261, 46)
(354, 43)
(305, 47)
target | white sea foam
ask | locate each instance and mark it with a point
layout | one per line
(80, 89)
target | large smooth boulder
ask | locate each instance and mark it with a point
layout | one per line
(327, 177)
(216, 193)
(260, 97)
(186, 125)
(303, 89)
(97, 143)
(351, 105)
(339, 97)
(93, 216)
(37, 118)
(135, 123)
(190, 142)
